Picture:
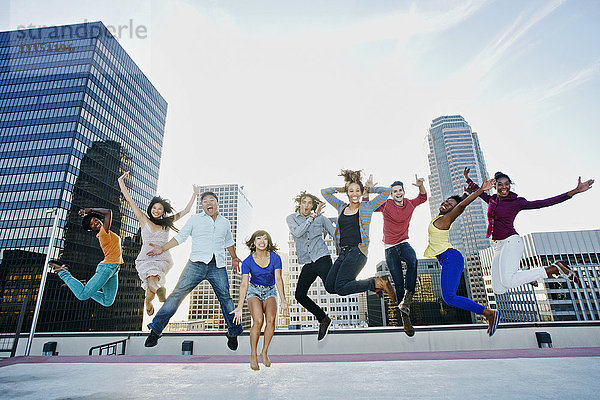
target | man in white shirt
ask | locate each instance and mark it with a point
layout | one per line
(211, 235)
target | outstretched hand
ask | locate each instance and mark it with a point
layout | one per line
(466, 172)
(122, 177)
(487, 185)
(235, 265)
(369, 185)
(237, 315)
(418, 181)
(285, 308)
(319, 210)
(583, 186)
(196, 189)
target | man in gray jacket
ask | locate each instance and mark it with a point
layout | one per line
(307, 225)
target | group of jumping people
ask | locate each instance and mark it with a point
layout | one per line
(261, 270)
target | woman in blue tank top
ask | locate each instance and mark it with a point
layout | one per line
(261, 275)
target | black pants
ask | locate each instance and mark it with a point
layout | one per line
(308, 275)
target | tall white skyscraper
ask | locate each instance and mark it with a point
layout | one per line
(235, 206)
(452, 147)
(343, 310)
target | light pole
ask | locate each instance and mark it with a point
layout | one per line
(38, 303)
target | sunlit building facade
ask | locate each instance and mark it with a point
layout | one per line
(75, 113)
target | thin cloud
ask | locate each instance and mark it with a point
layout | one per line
(580, 77)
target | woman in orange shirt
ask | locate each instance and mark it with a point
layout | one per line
(103, 286)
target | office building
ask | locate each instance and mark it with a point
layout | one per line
(75, 113)
(236, 207)
(452, 147)
(553, 299)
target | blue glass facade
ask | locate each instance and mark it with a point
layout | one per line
(75, 113)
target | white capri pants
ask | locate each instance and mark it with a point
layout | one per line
(505, 265)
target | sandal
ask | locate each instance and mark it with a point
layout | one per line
(150, 310)
(497, 315)
(571, 275)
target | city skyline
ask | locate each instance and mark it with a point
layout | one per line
(285, 81)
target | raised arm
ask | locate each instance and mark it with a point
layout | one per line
(328, 194)
(139, 214)
(104, 211)
(237, 312)
(484, 196)
(446, 220)
(420, 183)
(383, 194)
(189, 205)
(580, 188)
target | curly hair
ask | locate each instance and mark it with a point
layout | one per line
(303, 194)
(351, 176)
(270, 245)
(166, 221)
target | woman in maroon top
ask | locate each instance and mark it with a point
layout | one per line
(508, 245)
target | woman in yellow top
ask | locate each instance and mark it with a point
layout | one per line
(103, 286)
(451, 260)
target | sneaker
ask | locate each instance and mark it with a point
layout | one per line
(324, 327)
(232, 342)
(161, 293)
(152, 339)
(407, 324)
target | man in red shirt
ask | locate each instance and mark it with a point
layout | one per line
(397, 213)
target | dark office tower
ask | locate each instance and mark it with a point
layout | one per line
(452, 147)
(75, 113)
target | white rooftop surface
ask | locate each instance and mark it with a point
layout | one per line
(516, 378)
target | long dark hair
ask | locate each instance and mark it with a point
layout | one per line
(270, 245)
(167, 220)
(351, 176)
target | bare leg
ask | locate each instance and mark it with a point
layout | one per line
(256, 310)
(148, 301)
(270, 309)
(153, 283)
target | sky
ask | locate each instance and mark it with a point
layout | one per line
(279, 96)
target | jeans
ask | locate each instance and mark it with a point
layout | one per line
(101, 287)
(505, 265)
(308, 275)
(261, 292)
(194, 273)
(345, 270)
(394, 257)
(453, 263)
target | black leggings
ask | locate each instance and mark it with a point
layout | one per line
(308, 275)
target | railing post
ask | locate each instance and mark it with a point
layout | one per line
(19, 324)
(38, 303)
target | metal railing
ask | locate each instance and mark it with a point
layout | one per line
(9, 343)
(110, 349)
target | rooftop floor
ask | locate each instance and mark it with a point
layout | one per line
(475, 374)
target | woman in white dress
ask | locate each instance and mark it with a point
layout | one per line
(155, 229)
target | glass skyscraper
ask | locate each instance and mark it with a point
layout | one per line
(452, 147)
(75, 113)
(236, 207)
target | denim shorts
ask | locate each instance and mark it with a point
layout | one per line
(261, 292)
